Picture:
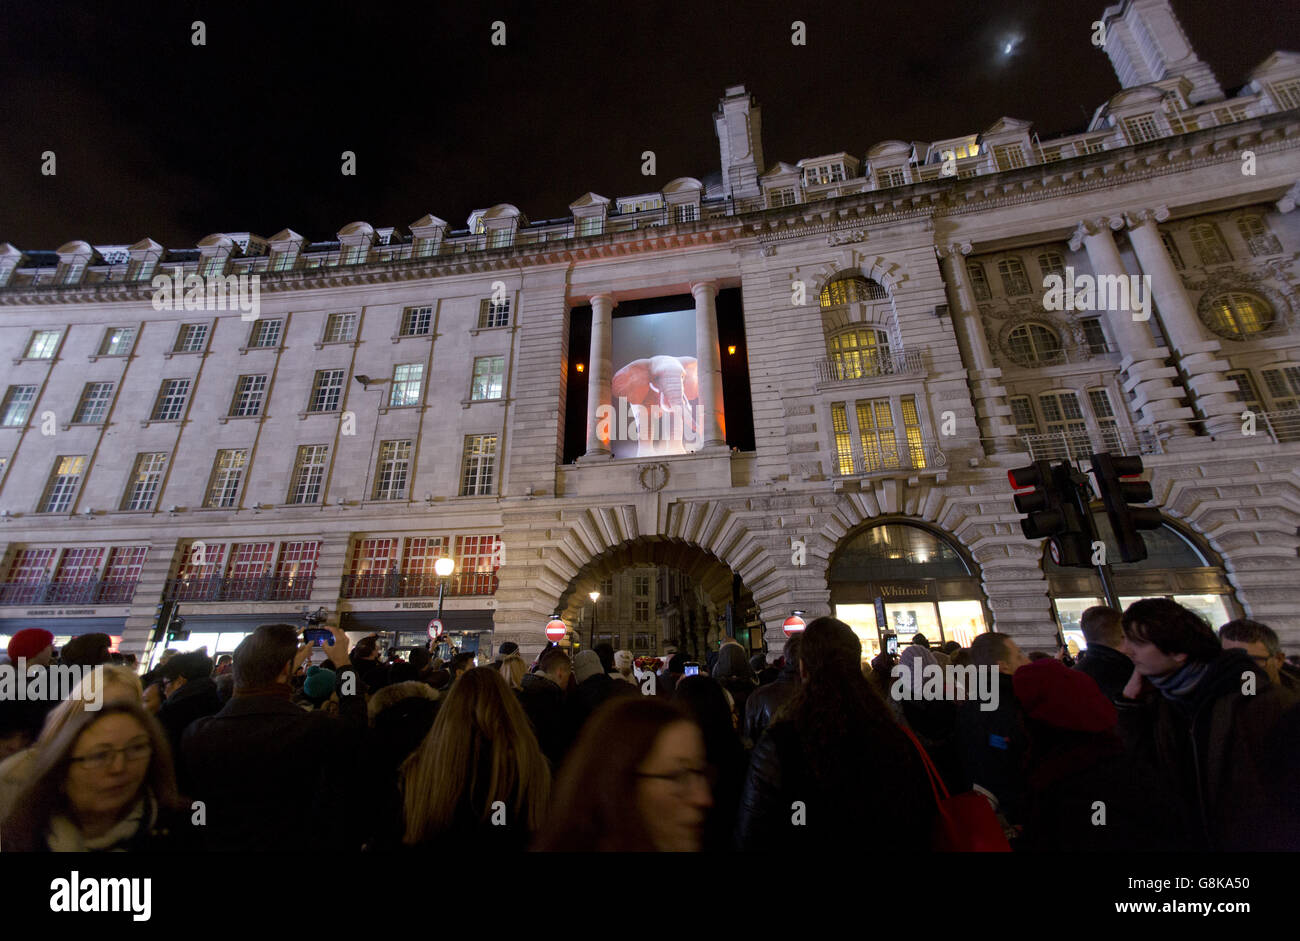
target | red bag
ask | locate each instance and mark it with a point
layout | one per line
(967, 823)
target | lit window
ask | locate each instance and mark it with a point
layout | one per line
(1209, 244)
(297, 563)
(227, 477)
(478, 558)
(912, 429)
(63, 484)
(489, 378)
(876, 433)
(308, 474)
(117, 341)
(17, 406)
(1009, 156)
(394, 469)
(408, 382)
(43, 344)
(477, 465)
(1014, 279)
(1034, 344)
(249, 393)
(1238, 315)
(146, 478)
(1257, 236)
(851, 289)
(266, 333)
(171, 400)
(860, 352)
(417, 321)
(843, 443)
(93, 407)
(1141, 128)
(341, 328)
(326, 391)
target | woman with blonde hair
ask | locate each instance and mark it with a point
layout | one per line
(478, 781)
(104, 783)
(513, 669)
(98, 688)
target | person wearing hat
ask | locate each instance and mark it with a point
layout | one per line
(624, 667)
(30, 649)
(594, 685)
(32, 644)
(319, 685)
(86, 650)
(190, 694)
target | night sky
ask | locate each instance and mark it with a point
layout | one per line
(156, 137)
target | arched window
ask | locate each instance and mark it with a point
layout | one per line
(1050, 263)
(1257, 237)
(979, 284)
(1034, 344)
(1209, 244)
(1014, 278)
(850, 289)
(862, 351)
(1239, 315)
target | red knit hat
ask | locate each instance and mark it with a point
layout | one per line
(1052, 693)
(29, 642)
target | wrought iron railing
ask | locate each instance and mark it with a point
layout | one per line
(849, 367)
(1284, 426)
(69, 591)
(1077, 445)
(923, 455)
(240, 588)
(395, 584)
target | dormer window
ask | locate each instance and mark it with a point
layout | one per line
(894, 176)
(1009, 156)
(781, 197)
(1141, 128)
(825, 173)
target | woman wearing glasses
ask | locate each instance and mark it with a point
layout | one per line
(104, 784)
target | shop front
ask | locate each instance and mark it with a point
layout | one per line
(900, 578)
(464, 630)
(65, 623)
(220, 633)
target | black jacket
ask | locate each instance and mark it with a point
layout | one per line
(274, 777)
(763, 703)
(196, 699)
(889, 804)
(554, 720)
(990, 748)
(1110, 668)
(591, 694)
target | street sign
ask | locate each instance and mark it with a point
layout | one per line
(435, 628)
(793, 625)
(555, 630)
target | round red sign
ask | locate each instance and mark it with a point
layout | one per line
(555, 630)
(793, 625)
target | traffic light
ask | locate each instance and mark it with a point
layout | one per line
(1118, 491)
(1053, 511)
(162, 619)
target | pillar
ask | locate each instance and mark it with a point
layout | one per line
(600, 372)
(709, 357)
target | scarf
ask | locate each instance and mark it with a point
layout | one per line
(64, 836)
(1179, 684)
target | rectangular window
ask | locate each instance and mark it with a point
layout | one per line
(1009, 156)
(1247, 391)
(1209, 244)
(202, 560)
(213, 266)
(146, 478)
(1286, 94)
(643, 642)
(1050, 263)
(192, 338)
(912, 428)
(642, 585)
(843, 445)
(283, 261)
(686, 213)
(493, 314)
(591, 225)
(117, 341)
(121, 574)
(326, 391)
(1014, 279)
(1065, 422)
(374, 557)
(641, 611)
(17, 406)
(606, 587)
(266, 333)
(1099, 399)
(781, 197)
(895, 176)
(171, 400)
(478, 464)
(31, 566)
(979, 284)
(308, 473)
(63, 484)
(93, 407)
(393, 471)
(43, 344)
(250, 563)
(227, 477)
(421, 552)
(355, 254)
(1022, 414)
(80, 565)
(1141, 128)
(297, 565)
(876, 432)
(489, 377)
(249, 393)
(477, 560)
(1094, 336)
(417, 321)
(341, 328)
(1283, 387)
(408, 382)
(1257, 237)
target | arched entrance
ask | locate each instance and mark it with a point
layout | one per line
(655, 594)
(1177, 566)
(900, 577)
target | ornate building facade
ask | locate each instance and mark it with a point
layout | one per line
(871, 342)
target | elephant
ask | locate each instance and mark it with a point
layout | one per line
(666, 383)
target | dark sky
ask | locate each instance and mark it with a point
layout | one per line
(154, 136)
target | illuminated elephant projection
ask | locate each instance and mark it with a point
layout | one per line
(659, 392)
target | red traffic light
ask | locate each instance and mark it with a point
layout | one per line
(1126, 466)
(1024, 477)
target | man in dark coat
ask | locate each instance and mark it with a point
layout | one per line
(990, 744)
(763, 703)
(1104, 660)
(267, 771)
(543, 696)
(191, 694)
(594, 685)
(1208, 719)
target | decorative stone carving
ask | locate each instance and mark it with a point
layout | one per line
(653, 477)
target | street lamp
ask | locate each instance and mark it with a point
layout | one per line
(442, 568)
(594, 596)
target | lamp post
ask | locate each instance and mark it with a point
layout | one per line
(594, 596)
(442, 568)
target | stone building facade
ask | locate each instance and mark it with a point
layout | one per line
(898, 339)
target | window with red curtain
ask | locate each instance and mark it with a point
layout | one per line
(476, 565)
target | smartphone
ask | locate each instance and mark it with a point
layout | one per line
(891, 645)
(692, 669)
(318, 636)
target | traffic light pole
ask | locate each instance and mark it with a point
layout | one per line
(1081, 494)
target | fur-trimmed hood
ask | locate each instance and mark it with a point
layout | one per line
(390, 696)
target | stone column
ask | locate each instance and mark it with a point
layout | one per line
(600, 371)
(1215, 396)
(990, 397)
(1150, 381)
(710, 413)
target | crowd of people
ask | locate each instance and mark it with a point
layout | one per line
(1165, 735)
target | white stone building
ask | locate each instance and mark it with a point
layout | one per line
(873, 350)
